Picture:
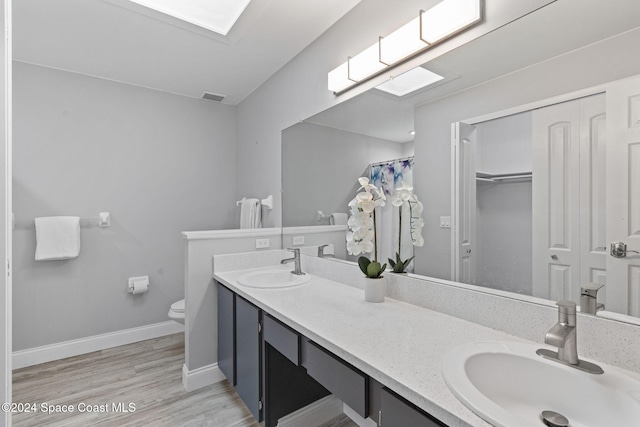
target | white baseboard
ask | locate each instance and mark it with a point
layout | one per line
(356, 418)
(48, 353)
(317, 413)
(201, 377)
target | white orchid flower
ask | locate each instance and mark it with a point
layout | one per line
(367, 246)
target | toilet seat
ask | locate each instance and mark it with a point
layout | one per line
(177, 311)
(178, 306)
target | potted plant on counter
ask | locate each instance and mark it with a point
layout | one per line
(402, 196)
(361, 238)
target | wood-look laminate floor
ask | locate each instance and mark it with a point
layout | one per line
(147, 374)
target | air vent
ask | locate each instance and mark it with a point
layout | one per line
(213, 96)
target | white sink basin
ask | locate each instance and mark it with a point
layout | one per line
(272, 279)
(508, 384)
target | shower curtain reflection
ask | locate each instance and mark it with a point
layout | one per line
(391, 235)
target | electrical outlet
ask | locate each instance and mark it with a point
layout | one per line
(445, 222)
(262, 243)
(298, 240)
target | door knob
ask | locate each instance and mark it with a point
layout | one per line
(619, 250)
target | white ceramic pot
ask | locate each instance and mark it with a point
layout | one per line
(374, 289)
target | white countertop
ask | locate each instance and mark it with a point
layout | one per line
(398, 344)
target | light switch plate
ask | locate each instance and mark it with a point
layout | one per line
(298, 240)
(262, 243)
(445, 222)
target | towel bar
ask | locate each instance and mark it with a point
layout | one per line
(267, 202)
(103, 221)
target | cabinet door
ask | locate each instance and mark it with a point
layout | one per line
(395, 412)
(226, 345)
(248, 355)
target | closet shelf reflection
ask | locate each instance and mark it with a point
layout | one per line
(506, 177)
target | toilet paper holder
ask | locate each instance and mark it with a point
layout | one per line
(138, 285)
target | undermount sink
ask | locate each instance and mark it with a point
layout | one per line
(508, 384)
(272, 279)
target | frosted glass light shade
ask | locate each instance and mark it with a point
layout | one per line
(218, 16)
(408, 82)
(448, 17)
(402, 43)
(365, 63)
(339, 78)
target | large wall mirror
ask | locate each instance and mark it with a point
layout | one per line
(518, 174)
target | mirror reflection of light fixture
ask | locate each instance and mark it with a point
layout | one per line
(435, 25)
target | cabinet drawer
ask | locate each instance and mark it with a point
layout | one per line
(345, 381)
(282, 338)
(396, 412)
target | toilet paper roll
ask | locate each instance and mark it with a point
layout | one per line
(138, 285)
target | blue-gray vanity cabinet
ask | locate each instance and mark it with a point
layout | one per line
(345, 381)
(240, 347)
(282, 338)
(248, 355)
(226, 333)
(397, 412)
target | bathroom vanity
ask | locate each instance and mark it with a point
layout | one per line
(286, 348)
(277, 370)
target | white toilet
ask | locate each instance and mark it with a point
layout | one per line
(176, 312)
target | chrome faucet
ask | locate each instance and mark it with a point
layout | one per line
(321, 253)
(296, 259)
(564, 336)
(589, 298)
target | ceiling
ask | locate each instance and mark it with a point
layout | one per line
(122, 41)
(561, 27)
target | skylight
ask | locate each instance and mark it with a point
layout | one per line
(218, 15)
(410, 81)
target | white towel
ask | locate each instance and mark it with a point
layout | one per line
(57, 237)
(250, 213)
(338, 218)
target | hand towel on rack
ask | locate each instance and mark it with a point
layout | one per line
(250, 213)
(57, 237)
(338, 218)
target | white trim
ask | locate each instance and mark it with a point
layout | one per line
(201, 377)
(356, 418)
(314, 414)
(565, 97)
(7, 308)
(313, 229)
(48, 353)
(229, 234)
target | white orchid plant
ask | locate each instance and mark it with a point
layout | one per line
(361, 237)
(404, 194)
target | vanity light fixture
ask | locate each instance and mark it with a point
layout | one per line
(218, 16)
(431, 27)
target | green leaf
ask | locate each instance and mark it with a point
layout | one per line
(363, 263)
(391, 263)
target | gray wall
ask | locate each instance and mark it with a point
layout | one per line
(504, 210)
(320, 169)
(504, 225)
(160, 163)
(432, 176)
